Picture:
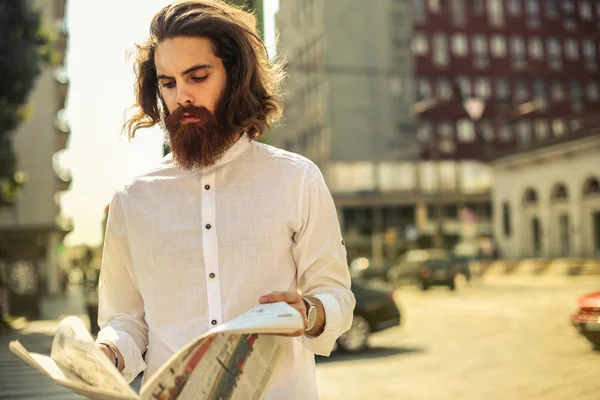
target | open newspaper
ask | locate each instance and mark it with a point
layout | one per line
(235, 360)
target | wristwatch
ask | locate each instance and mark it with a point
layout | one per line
(111, 347)
(311, 313)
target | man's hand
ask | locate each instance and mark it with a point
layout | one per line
(294, 300)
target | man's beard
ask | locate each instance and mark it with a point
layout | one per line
(196, 144)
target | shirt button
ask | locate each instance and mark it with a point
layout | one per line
(208, 226)
(207, 187)
(214, 322)
(212, 275)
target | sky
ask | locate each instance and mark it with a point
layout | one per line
(101, 159)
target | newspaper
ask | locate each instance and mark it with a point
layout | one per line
(233, 361)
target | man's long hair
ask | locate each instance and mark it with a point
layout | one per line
(250, 100)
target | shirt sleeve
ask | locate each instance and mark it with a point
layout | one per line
(120, 306)
(320, 257)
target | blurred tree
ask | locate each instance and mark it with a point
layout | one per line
(24, 49)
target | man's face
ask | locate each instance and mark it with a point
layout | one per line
(191, 81)
(189, 73)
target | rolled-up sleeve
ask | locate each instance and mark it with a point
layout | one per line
(120, 307)
(320, 257)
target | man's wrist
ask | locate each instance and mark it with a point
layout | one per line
(114, 353)
(319, 325)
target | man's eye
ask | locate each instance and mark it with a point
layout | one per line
(199, 78)
(168, 84)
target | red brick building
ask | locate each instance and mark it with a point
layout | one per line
(532, 65)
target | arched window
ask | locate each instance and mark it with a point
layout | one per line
(559, 192)
(591, 186)
(530, 198)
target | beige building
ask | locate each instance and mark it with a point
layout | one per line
(31, 232)
(349, 99)
(547, 198)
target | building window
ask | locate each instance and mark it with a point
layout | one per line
(554, 53)
(514, 7)
(482, 88)
(585, 10)
(502, 91)
(517, 47)
(498, 46)
(536, 48)
(593, 91)
(589, 52)
(533, 12)
(419, 10)
(496, 12)
(444, 88)
(569, 17)
(539, 89)
(558, 91)
(424, 131)
(506, 225)
(568, 7)
(464, 85)
(420, 45)
(505, 133)
(551, 7)
(478, 6)
(571, 49)
(558, 127)
(466, 131)
(480, 58)
(459, 44)
(447, 146)
(521, 92)
(524, 132)
(541, 129)
(576, 95)
(487, 131)
(457, 12)
(424, 90)
(435, 5)
(445, 130)
(440, 49)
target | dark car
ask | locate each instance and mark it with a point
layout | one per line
(438, 272)
(407, 269)
(375, 311)
(587, 318)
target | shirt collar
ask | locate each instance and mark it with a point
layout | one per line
(236, 150)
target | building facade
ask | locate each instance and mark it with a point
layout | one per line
(350, 100)
(31, 232)
(547, 198)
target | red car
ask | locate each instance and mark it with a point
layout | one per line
(587, 318)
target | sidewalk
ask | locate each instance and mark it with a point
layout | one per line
(17, 379)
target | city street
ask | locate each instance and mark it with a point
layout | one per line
(504, 339)
(501, 340)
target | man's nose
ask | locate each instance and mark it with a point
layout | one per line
(184, 96)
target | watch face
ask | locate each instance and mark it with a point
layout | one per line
(312, 317)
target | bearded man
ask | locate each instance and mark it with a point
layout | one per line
(224, 222)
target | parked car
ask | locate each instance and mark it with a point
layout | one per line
(367, 268)
(375, 311)
(407, 269)
(438, 272)
(587, 318)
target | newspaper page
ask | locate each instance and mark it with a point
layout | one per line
(73, 349)
(233, 361)
(64, 377)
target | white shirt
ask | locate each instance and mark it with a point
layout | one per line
(261, 220)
